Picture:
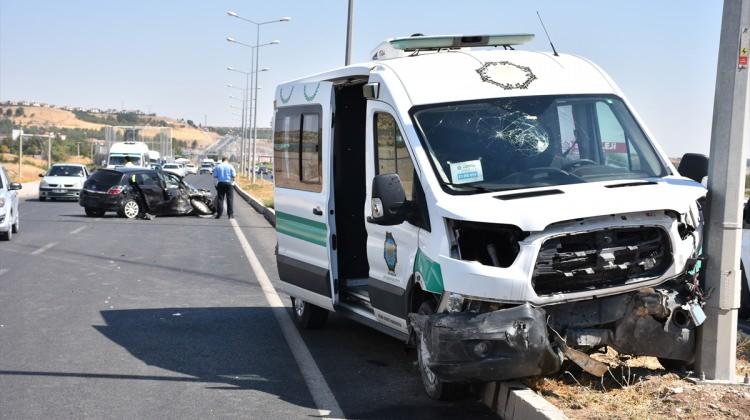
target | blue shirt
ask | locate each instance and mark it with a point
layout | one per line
(224, 172)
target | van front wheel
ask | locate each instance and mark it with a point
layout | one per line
(308, 316)
(436, 388)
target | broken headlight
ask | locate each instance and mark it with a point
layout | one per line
(487, 243)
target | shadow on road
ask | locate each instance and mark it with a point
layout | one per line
(235, 348)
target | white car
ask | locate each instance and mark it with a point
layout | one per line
(9, 218)
(63, 180)
(191, 168)
(174, 168)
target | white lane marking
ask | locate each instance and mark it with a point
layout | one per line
(44, 248)
(316, 383)
(3, 271)
(78, 230)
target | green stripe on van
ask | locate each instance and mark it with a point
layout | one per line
(301, 228)
(430, 271)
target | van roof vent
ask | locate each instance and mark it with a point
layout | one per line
(398, 47)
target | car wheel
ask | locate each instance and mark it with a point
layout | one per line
(200, 207)
(308, 316)
(436, 388)
(91, 212)
(7, 236)
(130, 209)
(42, 198)
(16, 226)
(675, 365)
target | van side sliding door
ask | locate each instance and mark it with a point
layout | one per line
(302, 147)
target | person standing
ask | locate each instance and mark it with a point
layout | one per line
(224, 174)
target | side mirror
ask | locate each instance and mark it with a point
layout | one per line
(14, 186)
(389, 205)
(693, 166)
(41, 175)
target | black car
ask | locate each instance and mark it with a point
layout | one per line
(131, 192)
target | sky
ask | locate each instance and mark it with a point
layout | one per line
(170, 56)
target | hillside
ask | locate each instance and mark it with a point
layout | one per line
(53, 117)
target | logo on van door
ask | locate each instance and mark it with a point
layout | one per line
(389, 253)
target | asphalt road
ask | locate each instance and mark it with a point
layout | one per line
(114, 318)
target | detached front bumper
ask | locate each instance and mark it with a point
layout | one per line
(504, 344)
(515, 342)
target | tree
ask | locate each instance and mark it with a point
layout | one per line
(194, 144)
(19, 112)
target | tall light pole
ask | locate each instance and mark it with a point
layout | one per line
(242, 120)
(349, 19)
(257, 59)
(243, 140)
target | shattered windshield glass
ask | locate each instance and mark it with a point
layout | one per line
(536, 141)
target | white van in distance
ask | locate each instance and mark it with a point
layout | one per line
(136, 152)
(500, 209)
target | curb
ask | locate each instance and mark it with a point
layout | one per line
(514, 400)
(269, 214)
(29, 190)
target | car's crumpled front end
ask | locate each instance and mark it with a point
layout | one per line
(518, 303)
(524, 340)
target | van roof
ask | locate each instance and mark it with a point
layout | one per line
(479, 74)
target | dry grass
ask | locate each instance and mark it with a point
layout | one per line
(262, 190)
(30, 171)
(60, 118)
(639, 388)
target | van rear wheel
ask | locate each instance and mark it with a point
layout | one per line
(308, 316)
(436, 388)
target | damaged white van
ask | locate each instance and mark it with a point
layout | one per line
(501, 209)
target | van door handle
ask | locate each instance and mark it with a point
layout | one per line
(317, 211)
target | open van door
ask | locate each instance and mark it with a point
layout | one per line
(302, 175)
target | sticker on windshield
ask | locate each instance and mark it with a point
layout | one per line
(465, 172)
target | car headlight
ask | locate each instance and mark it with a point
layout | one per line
(43, 183)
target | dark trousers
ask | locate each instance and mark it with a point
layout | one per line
(224, 189)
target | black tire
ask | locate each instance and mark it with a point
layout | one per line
(6, 236)
(744, 312)
(436, 388)
(130, 209)
(308, 316)
(42, 198)
(200, 207)
(675, 365)
(91, 212)
(16, 226)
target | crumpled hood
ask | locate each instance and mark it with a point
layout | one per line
(62, 180)
(533, 214)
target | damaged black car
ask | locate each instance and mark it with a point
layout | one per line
(135, 192)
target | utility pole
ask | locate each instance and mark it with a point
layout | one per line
(79, 148)
(20, 154)
(350, 16)
(717, 337)
(49, 151)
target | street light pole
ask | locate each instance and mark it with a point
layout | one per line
(254, 101)
(717, 337)
(349, 23)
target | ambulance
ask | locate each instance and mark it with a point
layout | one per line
(501, 210)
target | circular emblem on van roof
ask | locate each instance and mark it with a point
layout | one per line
(507, 75)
